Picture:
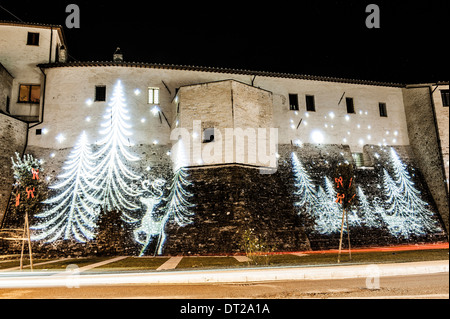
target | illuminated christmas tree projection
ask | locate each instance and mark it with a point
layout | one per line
(370, 211)
(72, 212)
(327, 214)
(113, 179)
(407, 214)
(305, 189)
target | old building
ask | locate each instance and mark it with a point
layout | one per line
(325, 121)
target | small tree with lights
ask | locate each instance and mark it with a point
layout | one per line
(345, 197)
(28, 193)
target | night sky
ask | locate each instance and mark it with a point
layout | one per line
(326, 38)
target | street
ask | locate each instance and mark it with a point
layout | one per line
(426, 286)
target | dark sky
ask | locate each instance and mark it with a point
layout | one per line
(327, 38)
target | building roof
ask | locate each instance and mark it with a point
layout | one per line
(216, 70)
(37, 25)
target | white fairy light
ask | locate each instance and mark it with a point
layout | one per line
(143, 120)
(317, 137)
(332, 115)
(44, 130)
(347, 117)
(89, 102)
(155, 110)
(137, 92)
(88, 119)
(60, 138)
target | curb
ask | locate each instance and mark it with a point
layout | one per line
(73, 279)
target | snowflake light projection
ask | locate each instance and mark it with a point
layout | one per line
(407, 214)
(72, 212)
(113, 179)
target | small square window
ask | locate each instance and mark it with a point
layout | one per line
(293, 102)
(33, 38)
(310, 103)
(153, 95)
(383, 109)
(208, 135)
(350, 105)
(100, 93)
(445, 97)
(38, 131)
(359, 159)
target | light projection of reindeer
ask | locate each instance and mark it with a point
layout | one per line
(151, 224)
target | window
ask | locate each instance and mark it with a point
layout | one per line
(100, 93)
(383, 110)
(29, 93)
(350, 105)
(38, 131)
(153, 95)
(208, 135)
(293, 102)
(33, 38)
(310, 103)
(444, 95)
(359, 159)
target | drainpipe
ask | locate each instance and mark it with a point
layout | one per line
(43, 101)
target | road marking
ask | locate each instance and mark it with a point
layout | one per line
(242, 259)
(38, 264)
(172, 263)
(101, 263)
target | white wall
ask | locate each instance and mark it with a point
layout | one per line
(21, 59)
(68, 88)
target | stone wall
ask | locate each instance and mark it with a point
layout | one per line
(425, 143)
(230, 199)
(13, 137)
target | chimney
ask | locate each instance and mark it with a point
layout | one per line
(118, 56)
(62, 57)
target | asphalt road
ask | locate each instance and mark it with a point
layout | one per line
(429, 286)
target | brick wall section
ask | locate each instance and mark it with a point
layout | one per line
(424, 143)
(13, 135)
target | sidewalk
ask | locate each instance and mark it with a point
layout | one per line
(36, 279)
